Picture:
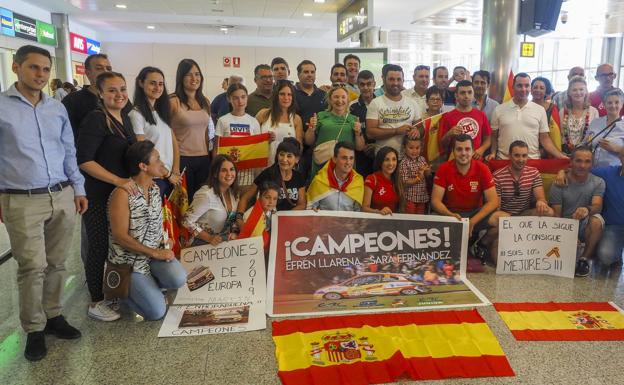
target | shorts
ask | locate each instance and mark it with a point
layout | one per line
(415, 207)
(482, 225)
(583, 225)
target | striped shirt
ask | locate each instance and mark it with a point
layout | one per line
(514, 200)
(145, 226)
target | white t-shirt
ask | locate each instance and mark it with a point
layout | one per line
(236, 126)
(160, 134)
(516, 123)
(420, 101)
(392, 115)
(207, 212)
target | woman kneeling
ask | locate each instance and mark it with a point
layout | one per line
(136, 238)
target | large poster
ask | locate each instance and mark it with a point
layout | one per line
(537, 245)
(342, 262)
(225, 290)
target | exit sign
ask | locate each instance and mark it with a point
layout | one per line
(527, 49)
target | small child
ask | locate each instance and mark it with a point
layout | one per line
(413, 170)
(262, 210)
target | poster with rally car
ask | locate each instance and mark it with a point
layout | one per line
(331, 262)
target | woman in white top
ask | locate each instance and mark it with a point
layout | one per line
(150, 119)
(280, 119)
(58, 92)
(212, 216)
(577, 114)
(238, 124)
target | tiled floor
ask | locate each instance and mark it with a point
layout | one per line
(128, 352)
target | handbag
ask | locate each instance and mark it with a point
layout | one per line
(116, 283)
(323, 151)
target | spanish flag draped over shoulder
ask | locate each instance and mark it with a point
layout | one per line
(431, 138)
(255, 225)
(380, 348)
(548, 168)
(325, 183)
(583, 321)
(246, 151)
(555, 127)
(509, 88)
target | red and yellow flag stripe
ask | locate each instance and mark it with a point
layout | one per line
(431, 138)
(585, 321)
(246, 151)
(548, 168)
(378, 348)
(509, 91)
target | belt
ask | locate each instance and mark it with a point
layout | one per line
(44, 190)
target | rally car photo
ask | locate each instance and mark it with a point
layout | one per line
(372, 284)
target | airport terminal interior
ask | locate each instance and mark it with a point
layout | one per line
(231, 37)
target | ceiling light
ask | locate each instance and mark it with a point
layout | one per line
(151, 27)
(307, 14)
(319, 1)
(224, 29)
(121, 6)
(293, 32)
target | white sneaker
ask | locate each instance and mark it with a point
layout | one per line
(113, 304)
(102, 312)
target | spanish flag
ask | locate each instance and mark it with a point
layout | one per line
(548, 168)
(555, 127)
(246, 151)
(170, 226)
(582, 321)
(509, 88)
(431, 138)
(255, 225)
(380, 348)
(325, 183)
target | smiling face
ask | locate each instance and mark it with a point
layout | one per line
(238, 99)
(338, 75)
(605, 76)
(33, 74)
(412, 149)
(114, 93)
(344, 162)
(581, 163)
(227, 174)
(353, 68)
(97, 66)
(264, 80)
(441, 78)
(307, 76)
(286, 160)
(463, 152)
(538, 91)
(155, 168)
(522, 88)
(459, 74)
(519, 156)
(192, 80)
(577, 92)
(285, 97)
(153, 86)
(389, 164)
(366, 87)
(393, 83)
(339, 101)
(480, 85)
(421, 80)
(268, 200)
(613, 104)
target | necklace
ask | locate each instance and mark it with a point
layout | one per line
(567, 141)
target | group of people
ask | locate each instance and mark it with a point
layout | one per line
(346, 146)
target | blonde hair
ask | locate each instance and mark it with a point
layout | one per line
(574, 80)
(332, 91)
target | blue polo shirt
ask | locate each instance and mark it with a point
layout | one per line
(613, 205)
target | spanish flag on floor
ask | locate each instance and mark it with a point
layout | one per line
(246, 151)
(548, 168)
(255, 225)
(380, 348)
(509, 91)
(325, 183)
(582, 321)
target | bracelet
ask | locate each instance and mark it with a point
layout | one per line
(169, 175)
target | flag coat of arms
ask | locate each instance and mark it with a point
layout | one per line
(246, 151)
(380, 348)
(551, 321)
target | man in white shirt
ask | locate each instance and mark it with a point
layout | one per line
(421, 83)
(521, 119)
(392, 116)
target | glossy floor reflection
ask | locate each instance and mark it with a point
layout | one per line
(128, 351)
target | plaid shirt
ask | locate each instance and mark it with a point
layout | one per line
(408, 169)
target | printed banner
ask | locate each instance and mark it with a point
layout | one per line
(381, 348)
(551, 321)
(341, 262)
(537, 245)
(25, 27)
(225, 290)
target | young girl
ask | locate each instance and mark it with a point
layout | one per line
(238, 123)
(335, 124)
(383, 190)
(413, 170)
(261, 211)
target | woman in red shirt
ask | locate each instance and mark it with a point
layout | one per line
(383, 192)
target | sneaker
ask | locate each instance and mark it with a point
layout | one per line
(102, 312)
(113, 304)
(35, 346)
(582, 268)
(59, 327)
(480, 252)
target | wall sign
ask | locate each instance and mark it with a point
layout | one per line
(227, 61)
(236, 62)
(527, 49)
(78, 43)
(25, 27)
(46, 33)
(7, 22)
(93, 47)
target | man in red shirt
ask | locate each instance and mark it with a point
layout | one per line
(460, 186)
(605, 77)
(465, 120)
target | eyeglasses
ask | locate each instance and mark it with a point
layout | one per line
(421, 67)
(339, 85)
(516, 185)
(608, 75)
(265, 77)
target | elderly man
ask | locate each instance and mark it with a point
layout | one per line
(605, 75)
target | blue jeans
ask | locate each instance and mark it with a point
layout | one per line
(610, 247)
(146, 297)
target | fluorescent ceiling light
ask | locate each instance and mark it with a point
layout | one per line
(293, 32)
(151, 27)
(121, 6)
(319, 1)
(307, 14)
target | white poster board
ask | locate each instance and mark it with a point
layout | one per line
(537, 245)
(225, 290)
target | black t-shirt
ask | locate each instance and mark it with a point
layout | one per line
(308, 105)
(296, 182)
(78, 105)
(96, 142)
